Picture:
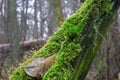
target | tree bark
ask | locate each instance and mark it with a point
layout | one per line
(51, 23)
(43, 19)
(58, 12)
(35, 29)
(76, 42)
(23, 20)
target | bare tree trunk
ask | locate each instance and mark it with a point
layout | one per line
(58, 12)
(35, 30)
(1, 3)
(42, 29)
(11, 28)
(8, 22)
(112, 57)
(23, 24)
(51, 19)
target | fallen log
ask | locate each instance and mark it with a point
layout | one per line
(26, 45)
(7, 49)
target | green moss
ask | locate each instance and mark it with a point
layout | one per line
(78, 38)
(63, 65)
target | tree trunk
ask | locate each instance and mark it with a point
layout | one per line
(58, 12)
(23, 20)
(51, 23)
(42, 21)
(76, 42)
(35, 29)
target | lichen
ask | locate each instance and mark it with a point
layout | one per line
(70, 41)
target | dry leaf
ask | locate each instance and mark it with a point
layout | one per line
(39, 66)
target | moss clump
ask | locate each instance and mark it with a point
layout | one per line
(76, 40)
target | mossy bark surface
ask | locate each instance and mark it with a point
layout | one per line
(75, 42)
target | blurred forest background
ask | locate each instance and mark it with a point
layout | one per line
(25, 25)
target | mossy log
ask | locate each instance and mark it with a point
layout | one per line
(75, 42)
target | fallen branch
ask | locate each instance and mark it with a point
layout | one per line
(26, 45)
(7, 49)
